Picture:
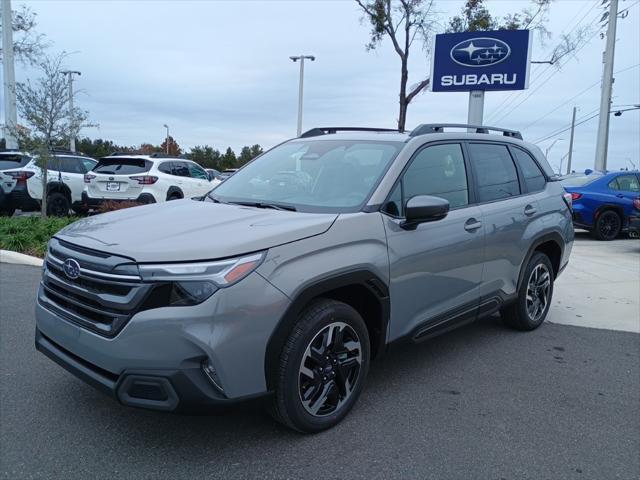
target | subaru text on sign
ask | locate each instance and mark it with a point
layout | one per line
(496, 60)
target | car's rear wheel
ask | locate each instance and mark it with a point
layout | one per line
(322, 367)
(607, 226)
(57, 205)
(534, 297)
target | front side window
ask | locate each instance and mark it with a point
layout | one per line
(312, 175)
(533, 177)
(438, 171)
(496, 174)
(627, 183)
(197, 172)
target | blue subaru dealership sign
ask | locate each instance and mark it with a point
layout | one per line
(494, 60)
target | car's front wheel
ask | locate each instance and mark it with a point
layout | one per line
(534, 297)
(57, 205)
(322, 367)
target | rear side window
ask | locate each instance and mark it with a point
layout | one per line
(11, 160)
(122, 166)
(496, 173)
(166, 167)
(533, 177)
(181, 169)
(71, 165)
(627, 183)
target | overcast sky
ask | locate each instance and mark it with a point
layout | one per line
(218, 72)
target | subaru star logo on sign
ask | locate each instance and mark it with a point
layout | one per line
(71, 268)
(496, 60)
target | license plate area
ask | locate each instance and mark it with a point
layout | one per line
(113, 187)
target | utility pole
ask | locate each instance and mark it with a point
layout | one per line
(602, 144)
(9, 74)
(166, 141)
(573, 127)
(301, 85)
(72, 137)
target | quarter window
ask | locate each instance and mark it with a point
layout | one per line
(437, 170)
(496, 174)
(533, 177)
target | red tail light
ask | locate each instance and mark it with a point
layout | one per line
(21, 176)
(145, 179)
(636, 203)
(88, 177)
(575, 196)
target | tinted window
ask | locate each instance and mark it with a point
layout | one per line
(627, 183)
(166, 167)
(181, 169)
(197, 172)
(439, 171)
(122, 166)
(71, 165)
(496, 173)
(533, 177)
(11, 160)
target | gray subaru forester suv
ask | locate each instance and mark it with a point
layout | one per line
(287, 279)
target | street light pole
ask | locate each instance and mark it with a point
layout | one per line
(9, 74)
(167, 138)
(546, 152)
(301, 85)
(573, 128)
(72, 137)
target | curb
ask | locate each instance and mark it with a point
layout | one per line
(7, 256)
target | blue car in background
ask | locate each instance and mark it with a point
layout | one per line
(604, 203)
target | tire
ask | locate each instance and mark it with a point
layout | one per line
(537, 286)
(81, 211)
(58, 205)
(7, 211)
(317, 362)
(608, 226)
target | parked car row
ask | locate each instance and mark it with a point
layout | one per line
(605, 204)
(81, 183)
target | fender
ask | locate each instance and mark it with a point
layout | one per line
(173, 189)
(361, 278)
(553, 236)
(610, 206)
(58, 186)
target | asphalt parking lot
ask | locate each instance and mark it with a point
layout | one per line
(480, 402)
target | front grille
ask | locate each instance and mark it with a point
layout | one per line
(105, 295)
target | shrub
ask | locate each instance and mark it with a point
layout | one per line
(110, 205)
(30, 235)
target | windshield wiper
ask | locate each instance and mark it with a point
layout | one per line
(275, 206)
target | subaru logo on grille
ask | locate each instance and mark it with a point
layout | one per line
(480, 52)
(71, 268)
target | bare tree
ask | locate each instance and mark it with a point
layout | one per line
(403, 21)
(28, 45)
(43, 105)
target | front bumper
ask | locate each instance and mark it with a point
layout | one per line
(161, 351)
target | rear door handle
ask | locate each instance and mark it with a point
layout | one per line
(530, 210)
(66, 178)
(472, 224)
(619, 195)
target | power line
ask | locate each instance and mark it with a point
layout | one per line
(565, 129)
(576, 96)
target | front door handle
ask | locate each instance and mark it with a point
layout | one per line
(472, 224)
(619, 195)
(530, 210)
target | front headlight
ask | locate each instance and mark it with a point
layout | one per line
(184, 284)
(222, 273)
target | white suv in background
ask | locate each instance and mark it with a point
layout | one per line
(65, 181)
(145, 179)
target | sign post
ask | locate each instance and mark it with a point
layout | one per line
(477, 62)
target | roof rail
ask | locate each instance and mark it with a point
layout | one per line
(64, 151)
(316, 132)
(162, 155)
(439, 128)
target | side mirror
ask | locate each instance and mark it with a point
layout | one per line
(422, 209)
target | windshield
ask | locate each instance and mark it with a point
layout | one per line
(13, 160)
(579, 181)
(312, 175)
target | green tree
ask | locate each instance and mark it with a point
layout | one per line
(256, 150)
(206, 156)
(228, 159)
(476, 17)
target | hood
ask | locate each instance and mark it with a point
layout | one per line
(186, 230)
